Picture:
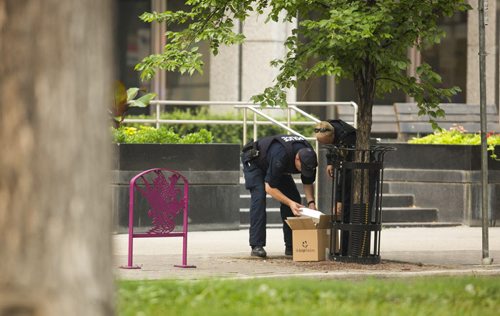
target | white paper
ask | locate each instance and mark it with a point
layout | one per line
(310, 212)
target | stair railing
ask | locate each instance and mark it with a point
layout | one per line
(257, 112)
(292, 106)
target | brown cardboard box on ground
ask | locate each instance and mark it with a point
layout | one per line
(311, 240)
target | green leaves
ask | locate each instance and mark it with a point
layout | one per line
(168, 16)
(172, 59)
(150, 135)
(143, 101)
(272, 96)
(458, 136)
(124, 100)
(222, 133)
(211, 21)
(366, 41)
(132, 93)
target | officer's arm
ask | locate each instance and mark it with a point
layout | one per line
(278, 195)
(309, 192)
(330, 157)
(329, 170)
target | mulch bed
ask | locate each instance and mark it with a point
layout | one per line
(329, 265)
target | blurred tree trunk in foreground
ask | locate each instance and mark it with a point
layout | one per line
(55, 85)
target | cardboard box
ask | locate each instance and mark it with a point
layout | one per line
(311, 237)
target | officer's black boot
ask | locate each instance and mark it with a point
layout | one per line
(258, 251)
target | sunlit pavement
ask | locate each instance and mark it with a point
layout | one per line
(448, 250)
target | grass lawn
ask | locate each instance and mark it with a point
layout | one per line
(416, 296)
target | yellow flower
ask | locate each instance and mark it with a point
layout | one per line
(130, 131)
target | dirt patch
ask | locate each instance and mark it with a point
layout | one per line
(329, 265)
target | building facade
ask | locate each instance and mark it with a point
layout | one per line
(240, 71)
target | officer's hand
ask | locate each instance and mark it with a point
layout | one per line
(295, 207)
(339, 210)
(329, 170)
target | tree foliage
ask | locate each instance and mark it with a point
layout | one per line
(362, 40)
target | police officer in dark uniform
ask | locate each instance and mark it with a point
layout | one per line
(341, 135)
(268, 165)
(335, 132)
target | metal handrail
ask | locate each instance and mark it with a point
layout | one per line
(257, 111)
(159, 103)
(215, 122)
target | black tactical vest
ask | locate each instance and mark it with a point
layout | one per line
(286, 140)
(345, 134)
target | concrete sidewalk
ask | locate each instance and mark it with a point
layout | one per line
(404, 252)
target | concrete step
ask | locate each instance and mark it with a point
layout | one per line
(419, 224)
(396, 208)
(397, 200)
(243, 190)
(409, 214)
(270, 202)
(272, 213)
(389, 200)
(384, 225)
(389, 215)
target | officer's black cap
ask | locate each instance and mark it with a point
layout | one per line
(308, 161)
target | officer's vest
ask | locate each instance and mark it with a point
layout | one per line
(286, 140)
(344, 133)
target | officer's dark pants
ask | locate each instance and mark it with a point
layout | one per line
(254, 181)
(344, 197)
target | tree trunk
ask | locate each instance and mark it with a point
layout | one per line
(365, 88)
(359, 213)
(55, 222)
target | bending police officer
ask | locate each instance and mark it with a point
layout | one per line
(337, 133)
(268, 165)
(341, 135)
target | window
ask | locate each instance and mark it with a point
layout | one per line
(186, 87)
(137, 39)
(449, 58)
(133, 40)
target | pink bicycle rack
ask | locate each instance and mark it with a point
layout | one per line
(165, 193)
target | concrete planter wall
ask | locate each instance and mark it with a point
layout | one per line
(211, 169)
(446, 177)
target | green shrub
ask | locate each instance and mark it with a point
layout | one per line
(457, 136)
(150, 135)
(201, 137)
(222, 133)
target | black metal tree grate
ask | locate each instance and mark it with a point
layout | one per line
(356, 205)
